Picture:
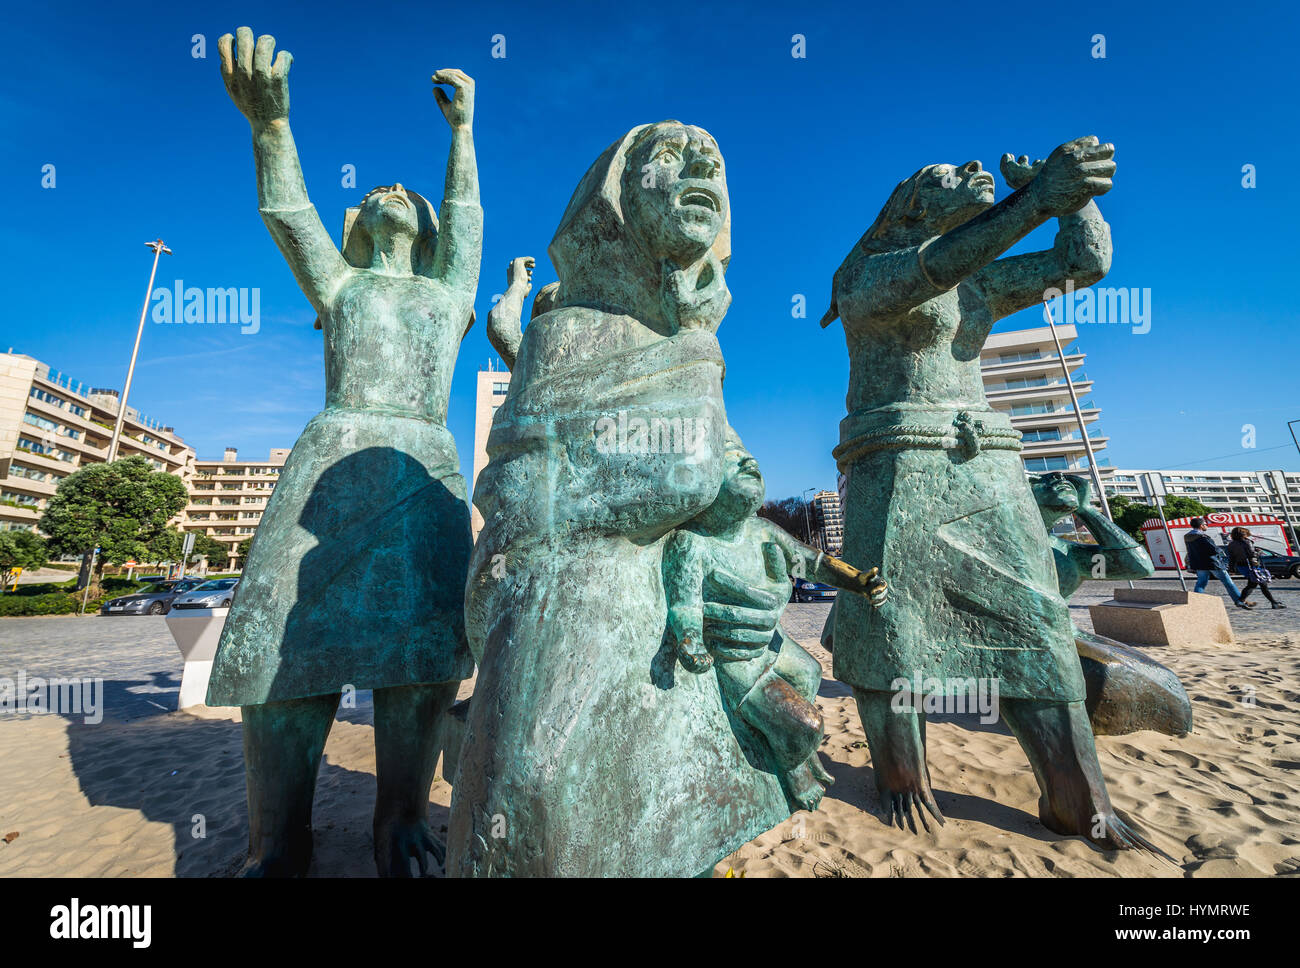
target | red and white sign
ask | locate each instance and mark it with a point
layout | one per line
(1268, 533)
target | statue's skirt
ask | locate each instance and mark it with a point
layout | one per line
(357, 574)
(588, 751)
(973, 592)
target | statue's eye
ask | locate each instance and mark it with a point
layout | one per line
(667, 155)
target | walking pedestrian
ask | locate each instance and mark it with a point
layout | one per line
(1244, 557)
(1206, 559)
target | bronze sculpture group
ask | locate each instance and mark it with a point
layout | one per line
(638, 707)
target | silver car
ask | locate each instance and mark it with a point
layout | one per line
(154, 600)
(218, 593)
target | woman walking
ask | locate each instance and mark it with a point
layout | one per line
(1244, 557)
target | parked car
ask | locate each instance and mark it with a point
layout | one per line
(1281, 566)
(218, 593)
(812, 591)
(155, 600)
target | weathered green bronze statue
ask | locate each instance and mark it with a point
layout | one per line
(936, 493)
(356, 577)
(1126, 691)
(588, 750)
(775, 692)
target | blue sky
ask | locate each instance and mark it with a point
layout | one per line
(146, 143)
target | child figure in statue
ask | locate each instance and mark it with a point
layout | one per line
(728, 547)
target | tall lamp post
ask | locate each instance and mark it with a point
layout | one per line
(1078, 414)
(158, 249)
(87, 560)
(1169, 535)
(807, 518)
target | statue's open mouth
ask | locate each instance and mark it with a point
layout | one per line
(395, 197)
(702, 197)
(982, 180)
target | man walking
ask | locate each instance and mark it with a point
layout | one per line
(1205, 558)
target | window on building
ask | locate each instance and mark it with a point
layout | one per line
(46, 397)
(37, 421)
(31, 473)
(1039, 464)
(26, 443)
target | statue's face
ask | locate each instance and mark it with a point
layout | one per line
(675, 192)
(742, 487)
(952, 194)
(1056, 496)
(387, 212)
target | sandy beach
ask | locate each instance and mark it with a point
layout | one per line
(152, 791)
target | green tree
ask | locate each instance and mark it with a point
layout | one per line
(20, 549)
(794, 514)
(1130, 515)
(217, 552)
(122, 507)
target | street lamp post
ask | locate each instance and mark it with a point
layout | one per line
(1078, 414)
(1169, 535)
(1279, 482)
(158, 249)
(807, 518)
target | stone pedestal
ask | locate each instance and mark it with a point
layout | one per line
(1156, 616)
(196, 631)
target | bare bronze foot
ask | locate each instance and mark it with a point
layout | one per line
(896, 739)
(803, 786)
(1073, 800)
(399, 842)
(276, 865)
(818, 771)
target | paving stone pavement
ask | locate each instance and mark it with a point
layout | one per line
(135, 656)
(141, 667)
(805, 621)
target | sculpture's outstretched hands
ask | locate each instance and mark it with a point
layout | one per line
(259, 88)
(868, 583)
(1019, 172)
(1071, 175)
(520, 273)
(458, 109)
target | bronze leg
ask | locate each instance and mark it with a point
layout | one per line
(1058, 741)
(897, 743)
(408, 725)
(283, 743)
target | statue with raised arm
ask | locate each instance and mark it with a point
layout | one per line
(356, 577)
(936, 492)
(505, 327)
(1126, 691)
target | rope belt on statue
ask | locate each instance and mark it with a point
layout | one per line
(966, 435)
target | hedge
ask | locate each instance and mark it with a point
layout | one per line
(61, 598)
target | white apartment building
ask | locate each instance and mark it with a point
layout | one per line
(1232, 492)
(52, 425)
(830, 521)
(1023, 378)
(228, 498)
(489, 395)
